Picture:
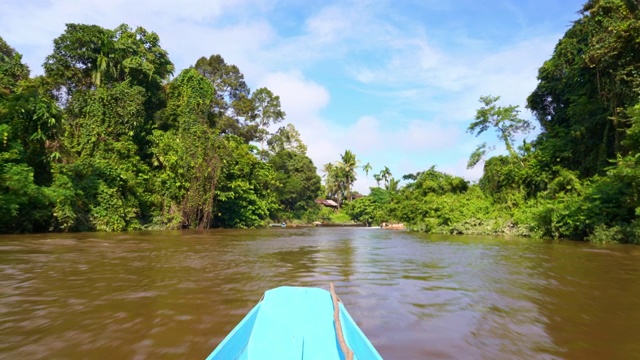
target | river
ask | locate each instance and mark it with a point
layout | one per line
(175, 295)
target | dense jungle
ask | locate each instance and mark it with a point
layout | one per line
(111, 139)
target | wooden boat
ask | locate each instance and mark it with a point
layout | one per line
(296, 323)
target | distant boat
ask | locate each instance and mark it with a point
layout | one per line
(296, 323)
(392, 226)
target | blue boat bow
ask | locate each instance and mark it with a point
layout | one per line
(294, 323)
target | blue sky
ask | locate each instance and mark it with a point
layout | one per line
(396, 82)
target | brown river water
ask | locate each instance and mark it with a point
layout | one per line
(175, 295)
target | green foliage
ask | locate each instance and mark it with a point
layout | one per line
(64, 196)
(231, 106)
(339, 217)
(24, 206)
(266, 111)
(107, 115)
(286, 138)
(504, 120)
(435, 182)
(188, 100)
(29, 121)
(112, 188)
(434, 202)
(187, 155)
(12, 70)
(127, 149)
(593, 75)
(244, 194)
(87, 56)
(366, 210)
(588, 210)
(371, 209)
(384, 176)
(626, 233)
(340, 176)
(453, 211)
(366, 168)
(299, 183)
(32, 121)
(586, 104)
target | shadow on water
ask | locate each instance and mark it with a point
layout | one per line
(175, 295)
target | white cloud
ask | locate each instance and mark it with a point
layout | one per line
(187, 30)
(303, 100)
(240, 44)
(300, 97)
(329, 25)
(509, 73)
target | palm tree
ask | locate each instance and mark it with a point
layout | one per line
(377, 178)
(330, 181)
(105, 64)
(385, 174)
(348, 164)
(367, 167)
(393, 185)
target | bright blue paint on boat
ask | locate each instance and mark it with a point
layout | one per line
(294, 323)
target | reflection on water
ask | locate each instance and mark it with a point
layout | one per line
(175, 295)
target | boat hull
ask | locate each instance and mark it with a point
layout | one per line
(294, 323)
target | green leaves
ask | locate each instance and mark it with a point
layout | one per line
(245, 195)
(583, 90)
(127, 149)
(266, 111)
(286, 138)
(477, 155)
(12, 70)
(504, 120)
(299, 183)
(339, 177)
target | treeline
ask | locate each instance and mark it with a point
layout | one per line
(106, 140)
(579, 179)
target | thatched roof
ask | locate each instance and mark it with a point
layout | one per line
(328, 203)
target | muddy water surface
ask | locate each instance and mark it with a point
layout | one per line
(175, 295)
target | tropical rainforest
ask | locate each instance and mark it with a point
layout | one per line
(107, 139)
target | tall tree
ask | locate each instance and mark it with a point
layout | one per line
(377, 178)
(286, 138)
(300, 184)
(333, 182)
(231, 106)
(348, 164)
(586, 86)
(504, 120)
(12, 70)
(266, 112)
(385, 175)
(188, 154)
(394, 185)
(29, 124)
(88, 57)
(366, 168)
(245, 193)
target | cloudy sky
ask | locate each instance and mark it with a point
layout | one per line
(397, 81)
